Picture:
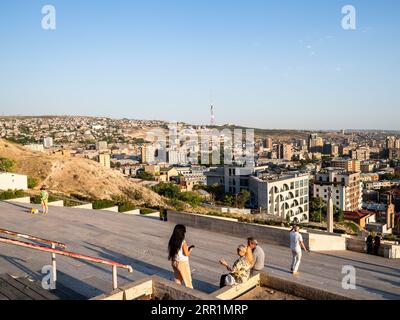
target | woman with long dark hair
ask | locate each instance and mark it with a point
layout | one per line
(178, 254)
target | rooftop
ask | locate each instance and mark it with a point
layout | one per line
(141, 242)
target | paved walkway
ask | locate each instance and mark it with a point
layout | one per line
(141, 242)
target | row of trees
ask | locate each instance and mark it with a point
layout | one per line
(173, 192)
(228, 199)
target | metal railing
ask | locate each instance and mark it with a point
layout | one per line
(33, 238)
(54, 251)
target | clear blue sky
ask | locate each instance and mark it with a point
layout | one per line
(269, 64)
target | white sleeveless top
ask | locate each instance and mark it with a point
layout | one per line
(180, 257)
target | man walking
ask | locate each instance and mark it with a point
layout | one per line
(258, 255)
(296, 243)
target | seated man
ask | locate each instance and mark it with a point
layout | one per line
(240, 271)
(258, 255)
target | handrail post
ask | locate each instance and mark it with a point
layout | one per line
(114, 277)
(54, 264)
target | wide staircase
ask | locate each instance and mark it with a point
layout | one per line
(24, 288)
(12, 288)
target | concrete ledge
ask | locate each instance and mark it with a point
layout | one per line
(233, 292)
(88, 206)
(269, 234)
(326, 242)
(111, 209)
(169, 290)
(20, 200)
(132, 212)
(155, 287)
(138, 289)
(298, 289)
(59, 203)
(387, 250)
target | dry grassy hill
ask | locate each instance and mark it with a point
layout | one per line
(71, 175)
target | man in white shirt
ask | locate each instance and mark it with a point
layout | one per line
(296, 243)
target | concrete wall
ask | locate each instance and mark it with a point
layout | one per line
(133, 212)
(387, 250)
(112, 209)
(20, 200)
(57, 203)
(88, 206)
(235, 210)
(13, 181)
(268, 234)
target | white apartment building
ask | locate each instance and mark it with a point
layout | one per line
(284, 196)
(48, 142)
(13, 181)
(346, 188)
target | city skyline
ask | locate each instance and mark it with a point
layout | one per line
(274, 69)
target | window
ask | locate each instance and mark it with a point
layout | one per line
(297, 184)
(302, 183)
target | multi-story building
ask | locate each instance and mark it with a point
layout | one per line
(148, 154)
(48, 142)
(285, 151)
(268, 144)
(285, 196)
(350, 165)
(361, 154)
(315, 143)
(346, 188)
(105, 160)
(101, 146)
(392, 143)
(394, 154)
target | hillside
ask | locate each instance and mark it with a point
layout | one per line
(71, 175)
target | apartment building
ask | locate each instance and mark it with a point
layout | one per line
(346, 188)
(285, 151)
(105, 160)
(350, 165)
(285, 196)
(148, 154)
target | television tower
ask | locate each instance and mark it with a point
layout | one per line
(212, 118)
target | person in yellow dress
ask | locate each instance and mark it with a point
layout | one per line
(44, 199)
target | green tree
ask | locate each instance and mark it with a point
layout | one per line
(145, 176)
(242, 198)
(339, 215)
(6, 164)
(32, 183)
(317, 207)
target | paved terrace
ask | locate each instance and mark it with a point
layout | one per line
(142, 241)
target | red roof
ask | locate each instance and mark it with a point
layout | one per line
(358, 214)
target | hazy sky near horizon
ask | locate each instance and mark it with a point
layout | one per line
(268, 64)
